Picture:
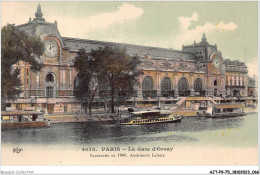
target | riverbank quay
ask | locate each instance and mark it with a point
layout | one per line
(110, 118)
(80, 118)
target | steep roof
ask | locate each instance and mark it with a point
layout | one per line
(76, 44)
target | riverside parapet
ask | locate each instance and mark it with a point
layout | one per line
(100, 118)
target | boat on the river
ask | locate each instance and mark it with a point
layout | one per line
(150, 117)
(226, 115)
(23, 119)
(225, 110)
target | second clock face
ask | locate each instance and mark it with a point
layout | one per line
(51, 48)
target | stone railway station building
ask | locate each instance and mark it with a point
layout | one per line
(198, 70)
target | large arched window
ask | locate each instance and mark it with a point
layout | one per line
(183, 87)
(147, 83)
(166, 84)
(147, 87)
(183, 84)
(166, 87)
(198, 87)
(198, 84)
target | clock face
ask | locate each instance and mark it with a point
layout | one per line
(216, 61)
(50, 48)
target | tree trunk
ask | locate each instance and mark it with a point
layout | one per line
(91, 99)
(112, 97)
(86, 107)
(89, 108)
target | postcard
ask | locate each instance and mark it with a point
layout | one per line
(129, 83)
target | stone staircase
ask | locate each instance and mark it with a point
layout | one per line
(180, 103)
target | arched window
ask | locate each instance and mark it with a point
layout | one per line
(147, 83)
(50, 86)
(147, 87)
(49, 78)
(166, 84)
(183, 87)
(166, 87)
(183, 84)
(198, 84)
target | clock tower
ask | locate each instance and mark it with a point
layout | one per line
(210, 58)
(57, 74)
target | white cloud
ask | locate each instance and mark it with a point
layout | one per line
(187, 35)
(81, 27)
(124, 13)
(253, 67)
(186, 21)
(222, 26)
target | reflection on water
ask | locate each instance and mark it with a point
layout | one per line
(190, 131)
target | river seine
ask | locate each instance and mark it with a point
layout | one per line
(192, 131)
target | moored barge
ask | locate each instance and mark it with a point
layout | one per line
(23, 119)
(227, 110)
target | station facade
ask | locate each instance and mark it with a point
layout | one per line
(197, 70)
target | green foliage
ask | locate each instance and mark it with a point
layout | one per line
(109, 67)
(83, 66)
(16, 46)
(116, 69)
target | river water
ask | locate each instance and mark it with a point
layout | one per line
(192, 131)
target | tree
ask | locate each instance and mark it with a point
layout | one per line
(17, 46)
(87, 86)
(114, 67)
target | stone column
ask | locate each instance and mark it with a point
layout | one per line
(158, 85)
(210, 89)
(191, 85)
(70, 80)
(223, 89)
(175, 85)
